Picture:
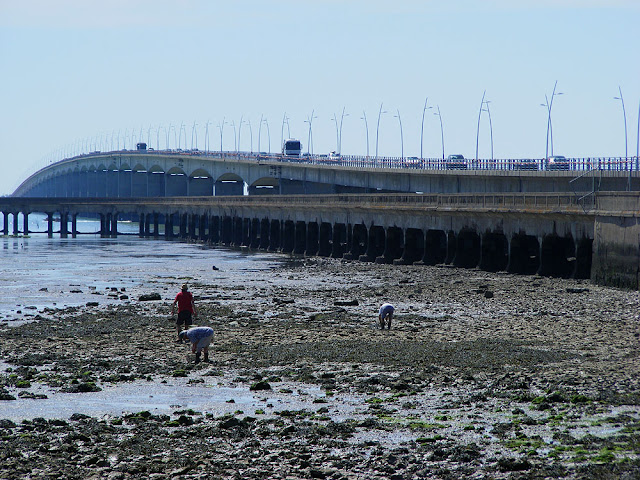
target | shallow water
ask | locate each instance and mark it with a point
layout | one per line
(38, 272)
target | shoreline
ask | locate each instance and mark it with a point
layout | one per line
(539, 378)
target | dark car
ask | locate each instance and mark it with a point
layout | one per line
(455, 162)
(557, 162)
(525, 164)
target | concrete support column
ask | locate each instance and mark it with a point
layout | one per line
(5, 225)
(64, 225)
(156, 233)
(15, 223)
(25, 223)
(141, 224)
(74, 225)
(49, 224)
(114, 224)
(168, 225)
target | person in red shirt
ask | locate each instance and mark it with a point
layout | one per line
(186, 309)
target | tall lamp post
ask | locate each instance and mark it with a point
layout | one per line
(624, 114)
(221, 128)
(285, 119)
(206, 137)
(266, 122)
(335, 120)
(549, 104)
(380, 112)
(250, 136)
(194, 131)
(441, 129)
(366, 127)
(239, 131)
(478, 129)
(401, 137)
(341, 120)
(490, 127)
(310, 137)
(424, 109)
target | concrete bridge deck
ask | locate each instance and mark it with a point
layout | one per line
(594, 236)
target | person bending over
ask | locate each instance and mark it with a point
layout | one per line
(200, 338)
(386, 313)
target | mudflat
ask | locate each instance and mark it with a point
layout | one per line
(481, 375)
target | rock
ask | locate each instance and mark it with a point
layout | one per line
(92, 304)
(488, 294)
(214, 268)
(346, 303)
(577, 290)
(149, 296)
(262, 385)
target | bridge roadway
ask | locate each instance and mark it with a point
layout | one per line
(125, 174)
(561, 235)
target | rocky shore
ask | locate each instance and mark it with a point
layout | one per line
(481, 376)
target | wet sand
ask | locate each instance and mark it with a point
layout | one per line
(481, 376)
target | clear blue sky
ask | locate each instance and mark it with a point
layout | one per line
(77, 69)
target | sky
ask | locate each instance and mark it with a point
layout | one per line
(88, 74)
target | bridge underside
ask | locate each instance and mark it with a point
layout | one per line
(493, 243)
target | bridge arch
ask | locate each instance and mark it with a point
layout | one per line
(176, 182)
(264, 186)
(200, 183)
(229, 184)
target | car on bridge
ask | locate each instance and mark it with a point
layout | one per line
(525, 164)
(455, 162)
(557, 162)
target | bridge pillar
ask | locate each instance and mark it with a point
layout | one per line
(468, 248)
(15, 223)
(451, 247)
(265, 225)
(25, 223)
(413, 250)
(375, 245)
(114, 224)
(254, 233)
(156, 224)
(5, 223)
(49, 224)
(74, 225)
(393, 246)
(168, 225)
(494, 252)
(584, 255)
(142, 219)
(300, 238)
(214, 229)
(339, 240)
(435, 247)
(64, 224)
(358, 241)
(325, 243)
(274, 235)
(288, 236)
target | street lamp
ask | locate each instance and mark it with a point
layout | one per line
(180, 136)
(341, 120)
(206, 136)
(549, 104)
(624, 113)
(240, 130)
(366, 127)
(335, 120)
(266, 122)
(285, 119)
(259, 132)
(250, 137)
(193, 131)
(221, 128)
(401, 138)
(441, 129)
(424, 109)
(380, 112)
(235, 138)
(478, 130)
(310, 139)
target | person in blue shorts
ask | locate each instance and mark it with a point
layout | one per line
(386, 313)
(200, 338)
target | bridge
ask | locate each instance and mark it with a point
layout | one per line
(557, 234)
(578, 218)
(144, 173)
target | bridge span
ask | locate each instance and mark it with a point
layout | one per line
(126, 174)
(565, 235)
